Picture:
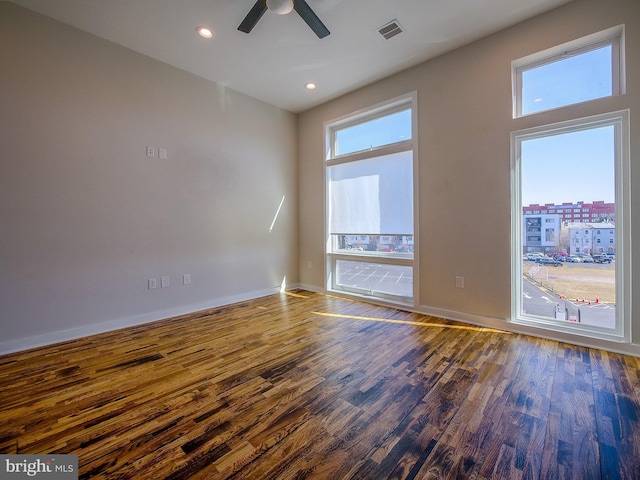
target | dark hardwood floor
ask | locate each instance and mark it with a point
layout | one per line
(304, 385)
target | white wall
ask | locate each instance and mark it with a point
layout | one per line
(465, 121)
(86, 218)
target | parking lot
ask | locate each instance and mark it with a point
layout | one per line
(370, 278)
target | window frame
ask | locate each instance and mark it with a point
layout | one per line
(612, 36)
(622, 166)
(395, 105)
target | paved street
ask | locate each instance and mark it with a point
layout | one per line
(536, 301)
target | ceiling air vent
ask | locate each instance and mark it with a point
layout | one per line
(391, 29)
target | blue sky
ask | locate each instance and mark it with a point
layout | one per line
(573, 79)
(375, 133)
(569, 167)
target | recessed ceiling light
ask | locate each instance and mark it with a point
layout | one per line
(310, 86)
(205, 32)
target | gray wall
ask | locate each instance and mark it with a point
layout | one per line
(86, 218)
(465, 121)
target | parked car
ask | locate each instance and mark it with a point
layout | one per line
(548, 261)
(573, 259)
(586, 258)
(534, 256)
(601, 259)
(560, 258)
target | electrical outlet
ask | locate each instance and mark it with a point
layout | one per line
(153, 283)
(164, 281)
(459, 282)
(151, 152)
(186, 278)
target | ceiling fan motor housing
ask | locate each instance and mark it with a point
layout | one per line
(281, 7)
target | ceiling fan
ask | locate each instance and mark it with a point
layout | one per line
(282, 7)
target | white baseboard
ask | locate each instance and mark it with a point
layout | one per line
(476, 320)
(51, 338)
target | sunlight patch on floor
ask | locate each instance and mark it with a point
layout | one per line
(411, 322)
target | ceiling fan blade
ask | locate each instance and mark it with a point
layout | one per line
(309, 16)
(253, 16)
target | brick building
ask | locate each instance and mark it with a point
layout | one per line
(598, 211)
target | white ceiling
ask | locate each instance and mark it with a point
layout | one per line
(281, 54)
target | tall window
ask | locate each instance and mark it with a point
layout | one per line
(568, 278)
(570, 281)
(370, 214)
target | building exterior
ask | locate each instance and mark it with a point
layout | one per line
(592, 238)
(542, 233)
(396, 243)
(598, 211)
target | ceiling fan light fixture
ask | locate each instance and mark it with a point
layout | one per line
(310, 86)
(281, 7)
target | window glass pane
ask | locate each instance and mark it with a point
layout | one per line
(374, 278)
(570, 80)
(372, 196)
(568, 273)
(386, 130)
